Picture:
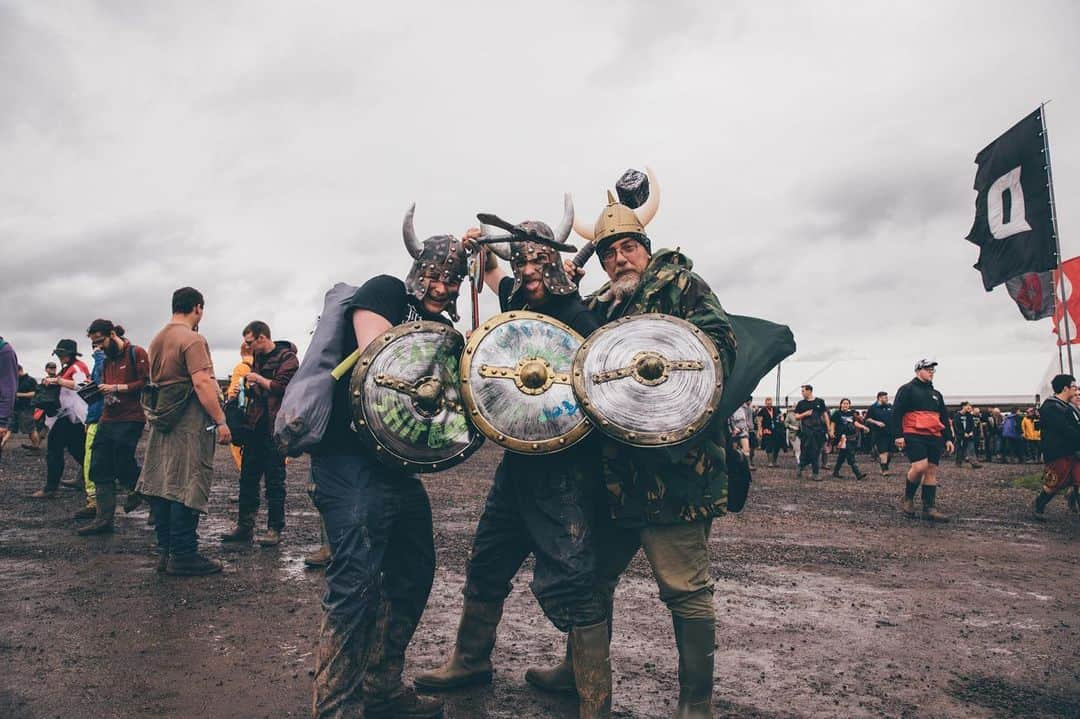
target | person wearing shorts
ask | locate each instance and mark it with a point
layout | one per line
(922, 430)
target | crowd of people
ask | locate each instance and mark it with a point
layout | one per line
(582, 513)
(1010, 436)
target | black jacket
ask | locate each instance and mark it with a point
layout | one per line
(919, 397)
(1060, 430)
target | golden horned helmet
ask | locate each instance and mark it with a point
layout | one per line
(618, 219)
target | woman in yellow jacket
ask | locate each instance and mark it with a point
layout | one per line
(1029, 427)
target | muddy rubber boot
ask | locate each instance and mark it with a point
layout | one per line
(243, 531)
(558, 679)
(407, 705)
(470, 664)
(696, 641)
(106, 509)
(930, 512)
(592, 670)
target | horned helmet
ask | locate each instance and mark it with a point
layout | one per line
(440, 257)
(625, 216)
(534, 241)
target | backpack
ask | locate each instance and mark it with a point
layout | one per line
(309, 397)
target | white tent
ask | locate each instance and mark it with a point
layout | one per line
(1004, 380)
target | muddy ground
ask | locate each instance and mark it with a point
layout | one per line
(829, 603)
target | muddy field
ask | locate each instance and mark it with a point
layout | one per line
(829, 603)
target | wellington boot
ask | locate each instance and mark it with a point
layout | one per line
(696, 641)
(106, 509)
(407, 705)
(558, 679)
(470, 664)
(592, 670)
(907, 506)
(242, 532)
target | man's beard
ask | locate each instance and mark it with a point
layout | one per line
(625, 285)
(113, 349)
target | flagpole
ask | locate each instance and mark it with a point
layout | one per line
(1057, 239)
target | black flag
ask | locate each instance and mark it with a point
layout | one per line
(1013, 228)
(1033, 293)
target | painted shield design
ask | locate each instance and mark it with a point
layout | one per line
(649, 380)
(515, 380)
(406, 398)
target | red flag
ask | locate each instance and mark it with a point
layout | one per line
(1033, 293)
(1071, 311)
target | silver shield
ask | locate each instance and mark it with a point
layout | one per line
(516, 383)
(649, 380)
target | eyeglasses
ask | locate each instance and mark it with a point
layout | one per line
(625, 248)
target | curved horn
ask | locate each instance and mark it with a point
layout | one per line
(584, 254)
(500, 250)
(567, 224)
(647, 211)
(409, 232)
(581, 227)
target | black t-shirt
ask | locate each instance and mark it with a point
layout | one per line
(770, 423)
(816, 421)
(568, 309)
(385, 296)
(26, 384)
(845, 422)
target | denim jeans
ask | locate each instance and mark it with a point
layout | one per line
(176, 526)
(378, 522)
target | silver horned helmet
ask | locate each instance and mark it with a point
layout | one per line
(532, 240)
(439, 257)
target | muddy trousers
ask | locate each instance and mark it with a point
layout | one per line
(378, 522)
(810, 451)
(176, 527)
(112, 459)
(549, 514)
(68, 436)
(261, 459)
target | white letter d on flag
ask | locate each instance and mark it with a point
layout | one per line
(995, 206)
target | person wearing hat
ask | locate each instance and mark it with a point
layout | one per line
(659, 503)
(68, 431)
(921, 430)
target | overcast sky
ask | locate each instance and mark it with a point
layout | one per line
(816, 158)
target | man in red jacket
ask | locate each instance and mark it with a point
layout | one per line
(275, 364)
(920, 424)
(112, 455)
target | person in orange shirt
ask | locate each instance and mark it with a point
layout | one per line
(236, 382)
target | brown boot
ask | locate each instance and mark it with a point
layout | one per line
(106, 509)
(907, 506)
(558, 679)
(470, 664)
(243, 531)
(929, 500)
(592, 670)
(318, 559)
(271, 538)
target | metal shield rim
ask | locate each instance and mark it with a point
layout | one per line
(382, 452)
(477, 418)
(630, 436)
